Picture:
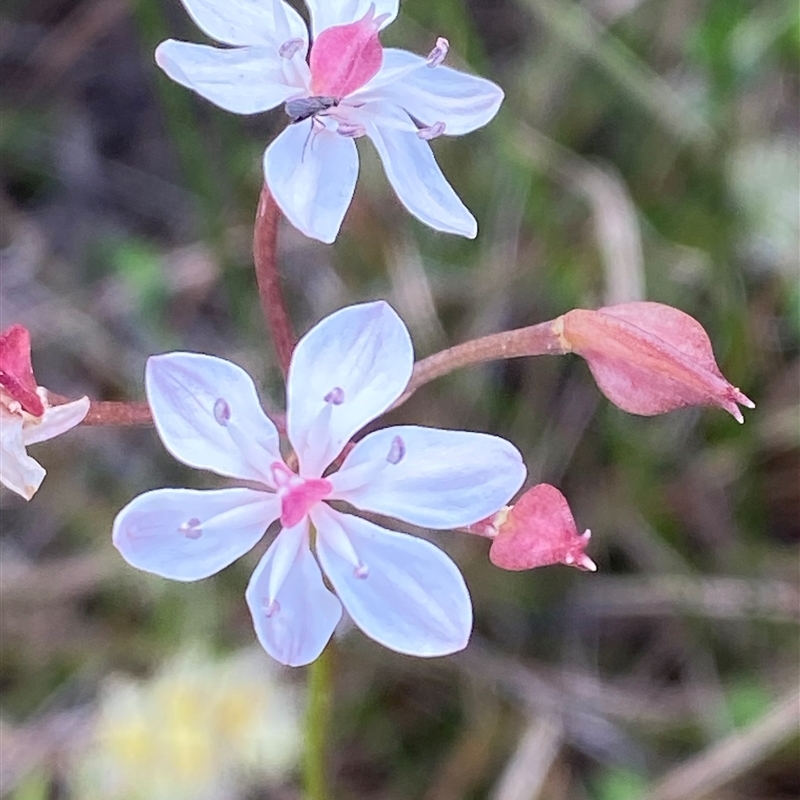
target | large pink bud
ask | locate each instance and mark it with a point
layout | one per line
(648, 358)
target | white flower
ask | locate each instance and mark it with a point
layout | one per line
(349, 86)
(400, 590)
(26, 416)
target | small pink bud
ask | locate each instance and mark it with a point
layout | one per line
(538, 530)
(16, 370)
(343, 58)
(648, 358)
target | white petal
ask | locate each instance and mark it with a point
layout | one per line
(404, 593)
(186, 534)
(445, 479)
(242, 22)
(439, 94)
(18, 471)
(327, 13)
(207, 413)
(244, 80)
(311, 172)
(56, 420)
(415, 176)
(361, 356)
(295, 623)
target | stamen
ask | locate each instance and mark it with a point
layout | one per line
(431, 131)
(191, 529)
(439, 53)
(397, 451)
(290, 48)
(335, 396)
(283, 478)
(352, 130)
(222, 411)
(361, 571)
(270, 609)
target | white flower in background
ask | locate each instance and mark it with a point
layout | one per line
(337, 84)
(401, 590)
(26, 416)
(199, 729)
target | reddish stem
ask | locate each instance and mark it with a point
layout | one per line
(265, 257)
(535, 340)
(105, 412)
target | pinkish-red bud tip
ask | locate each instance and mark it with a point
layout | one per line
(539, 530)
(343, 58)
(16, 370)
(648, 358)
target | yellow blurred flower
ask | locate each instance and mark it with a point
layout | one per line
(199, 729)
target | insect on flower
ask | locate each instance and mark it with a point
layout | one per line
(303, 108)
(337, 83)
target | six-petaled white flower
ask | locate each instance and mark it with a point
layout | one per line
(337, 85)
(26, 416)
(399, 589)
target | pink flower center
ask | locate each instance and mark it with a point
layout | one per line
(297, 494)
(343, 58)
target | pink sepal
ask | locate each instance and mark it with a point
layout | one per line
(539, 530)
(16, 370)
(344, 57)
(648, 358)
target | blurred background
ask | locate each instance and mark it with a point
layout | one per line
(645, 150)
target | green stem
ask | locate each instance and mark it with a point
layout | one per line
(318, 715)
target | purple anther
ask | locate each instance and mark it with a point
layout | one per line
(439, 53)
(431, 131)
(361, 571)
(351, 130)
(222, 411)
(270, 609)
(191, 529)
(397, 451)
(290, 48)
(335, 396)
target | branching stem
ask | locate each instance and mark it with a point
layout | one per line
(535, 340)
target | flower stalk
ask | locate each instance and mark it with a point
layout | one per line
(317, 726)
(533, 340)
(265, 257)
(109, 413)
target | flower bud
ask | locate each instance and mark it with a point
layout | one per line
(17, 384)
(648, 358)
(26, 416)
(536, 531)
